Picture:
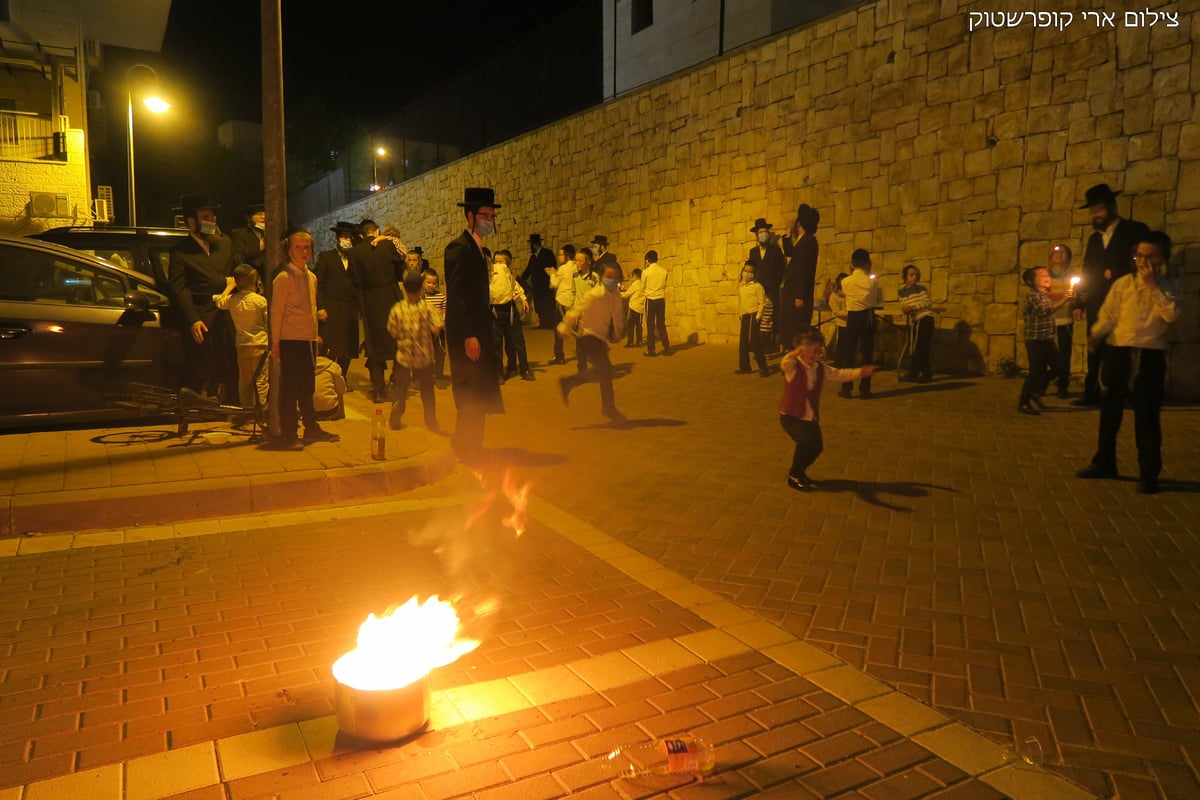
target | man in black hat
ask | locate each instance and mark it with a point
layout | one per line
(1108, 256)
(604, 256)
(197, 272)
(769, 265)
(337, 298)
(800, 277)
(474, 361)
(376, 267)
(537, 279)
(250, 242)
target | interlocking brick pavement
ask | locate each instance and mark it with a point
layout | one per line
(951, 553)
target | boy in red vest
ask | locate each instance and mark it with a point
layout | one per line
(804, 376)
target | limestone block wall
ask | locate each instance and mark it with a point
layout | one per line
(18, 178)
(965, 152)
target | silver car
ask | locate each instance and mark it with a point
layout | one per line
(75, 332)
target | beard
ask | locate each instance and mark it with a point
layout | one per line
(1102, 224)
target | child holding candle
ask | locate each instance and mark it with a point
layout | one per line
(1039, 337)
(804, 375)
(1063, 278)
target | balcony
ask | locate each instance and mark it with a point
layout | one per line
(25, 136)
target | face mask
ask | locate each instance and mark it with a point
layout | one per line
(208, 228)
(609, 283)
(764, 237)
(748, 277)
(260, 226)
(345, 244)
(484, 227)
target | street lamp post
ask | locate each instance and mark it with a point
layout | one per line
(376, 153)
(155, 104)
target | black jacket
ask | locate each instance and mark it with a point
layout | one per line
(1117, 258)
(195, 276)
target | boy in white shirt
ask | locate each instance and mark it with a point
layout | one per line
(752, 299)
(600, 320)
(248, 309)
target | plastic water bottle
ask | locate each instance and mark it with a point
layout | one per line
(674, 755)
(378, 436)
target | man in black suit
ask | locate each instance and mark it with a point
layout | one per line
(799, 279)
(337, 298)
(538, 280)
(376, 267)
(474, 361)
(1108, 256)
(249, 243)
(604, 256)
(198, 269)
(769, 266)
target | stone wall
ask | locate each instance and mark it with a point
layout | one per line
(20, 177)
(963, 152)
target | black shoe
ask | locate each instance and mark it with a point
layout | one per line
(845, 393)
(766, 373)
(650, 353)
(527, 376)
(668, 351)
(1094, 470)
(1086, 400)
(742, 371)
(925, 379)
(1025, 408)
(564, 389)
(1147, 486)
(614, 415)
(864, 395)
(318, 435)
(908, 377)
(801, 484)
(1037, 401)
(1062, 394)
(558, 360)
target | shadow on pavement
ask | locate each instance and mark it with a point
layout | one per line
(627, 423)
(921, 388)
(869, 491)
(520, 456)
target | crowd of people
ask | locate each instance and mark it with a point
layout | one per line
(370, 281)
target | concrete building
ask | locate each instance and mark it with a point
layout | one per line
(50, 50)
(241, 137)
(645, 40)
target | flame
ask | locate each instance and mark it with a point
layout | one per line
(402, 646)
(518, 497)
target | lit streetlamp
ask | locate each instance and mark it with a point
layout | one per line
(377, 153)
(155, 104)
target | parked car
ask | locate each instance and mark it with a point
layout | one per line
(145, 250)
(75, 332)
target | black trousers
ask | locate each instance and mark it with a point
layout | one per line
(297, 382)
(921, 364)
(402, 377)
(633, 328)
(1062, 368)
(1042, 356)
(809, 443)
(1091, 381)
(656, 324)
(597, 351)
(858, 336)
(1127, 371)
(558, 340)
(750, 341)
(509, 338)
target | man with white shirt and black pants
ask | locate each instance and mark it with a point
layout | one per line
(654, 283)
(862, 296)
(1133, 323)
(600, 318)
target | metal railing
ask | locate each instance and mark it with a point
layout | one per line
(24, 135)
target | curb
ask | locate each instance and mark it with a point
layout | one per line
(174, 501)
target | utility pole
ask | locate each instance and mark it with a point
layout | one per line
(274, 171)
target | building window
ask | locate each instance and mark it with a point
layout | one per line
(642, 14)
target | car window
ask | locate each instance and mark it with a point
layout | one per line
(157, 298)
(161, 259)
(34, 276)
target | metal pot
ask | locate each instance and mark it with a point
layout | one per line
(383, 715)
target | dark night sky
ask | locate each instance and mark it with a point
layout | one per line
(368, 50)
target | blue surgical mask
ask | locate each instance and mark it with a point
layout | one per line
(609, 283)
(484, 227)
(207, 228)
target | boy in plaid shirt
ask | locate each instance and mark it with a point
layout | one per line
(1040, 337)
(414, 324)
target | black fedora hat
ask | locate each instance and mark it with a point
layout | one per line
(416, 250)
(535, 238)
(344, 227)
(760, 224)
(601, 240)
(193, 203)
(477, 196)
(252, 209)
(1099, 194)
